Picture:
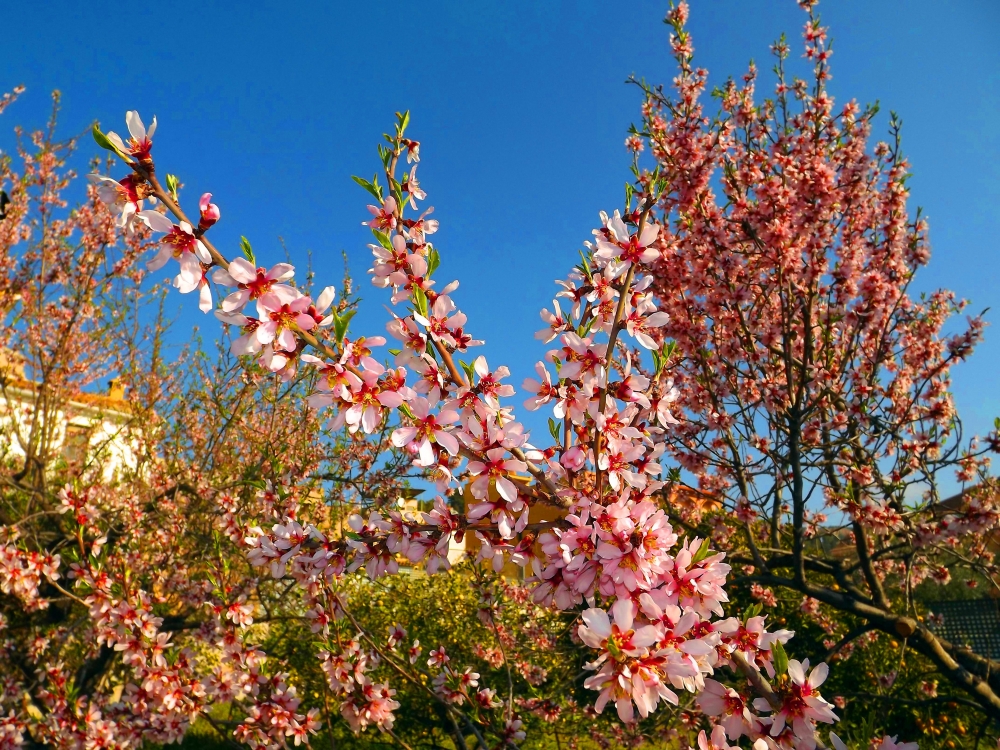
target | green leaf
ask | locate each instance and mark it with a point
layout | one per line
(405, 408)
(433, 261)
(780, 658)
(585, 267)
(703, 551)
(664, 355)
(247, 250)
(420, 300)
(554, 429)
(377, 194)
(383, 239)
(470, 370)
(103, 142)
(340, 323)
(172, 185)
(404, 120)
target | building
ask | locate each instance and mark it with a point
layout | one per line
(80, 432)
(969, 623)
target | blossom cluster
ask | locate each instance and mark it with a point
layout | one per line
(22, 571)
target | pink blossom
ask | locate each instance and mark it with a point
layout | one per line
(253, 283)
(370, 395)
(495, 468)
(542, 389)
(616, 638)
(803, 705)
(623, 248)
(717, 741)
(427, 428)
(717, 700)
(123, 197)
(210, 212)
(140, 141)
(384, 217)
(412, 188)
(280, 318)
(555, 321)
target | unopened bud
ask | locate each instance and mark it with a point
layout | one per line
(210, 213)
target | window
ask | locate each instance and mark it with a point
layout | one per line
(75, 444)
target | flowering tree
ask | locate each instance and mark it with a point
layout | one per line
(813, 386)
(126, 608)
(651, 604)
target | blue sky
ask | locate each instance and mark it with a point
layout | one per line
(521, 109)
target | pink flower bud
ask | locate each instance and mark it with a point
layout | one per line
(209, 212)
(574, 459)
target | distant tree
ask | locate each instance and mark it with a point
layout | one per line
(814, 386)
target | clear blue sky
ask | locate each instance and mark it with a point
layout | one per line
(521, 110)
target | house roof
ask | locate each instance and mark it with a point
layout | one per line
(974, 623)
(116, 404)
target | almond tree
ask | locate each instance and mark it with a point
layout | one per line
(814, 386)
(650, 604)
(126, 608)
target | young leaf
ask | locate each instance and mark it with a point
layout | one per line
(247, 250)
(420, 300)
(383, 239)
(585, 266)
(367, 186)
(433, 261)
(103, 142)
(340, 323)
(780, 658)
(703, 551)
(172, 185)
(554, 429)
